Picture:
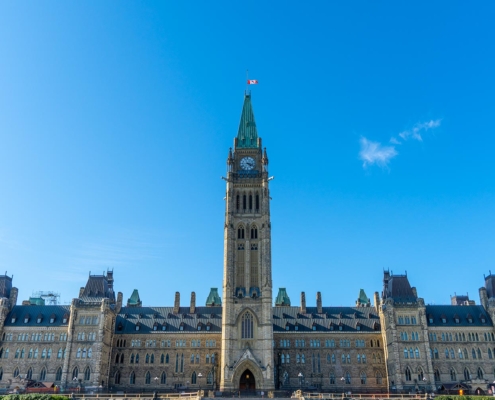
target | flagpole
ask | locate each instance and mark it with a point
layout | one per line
(247, 81)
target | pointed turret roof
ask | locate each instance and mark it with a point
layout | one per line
(247, 136)
(134, 300)
(213, 298)
(282, 298)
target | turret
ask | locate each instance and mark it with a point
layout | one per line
(303, 303)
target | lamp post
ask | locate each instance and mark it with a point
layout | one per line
(424, 382)
(343, 382)
(300, 376)
(200, 375)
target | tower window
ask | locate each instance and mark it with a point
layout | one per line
(238, 202)
(244, 202)
(250, 201)
(257, 201)
(240, 233)
(247, 326)
(254, 233)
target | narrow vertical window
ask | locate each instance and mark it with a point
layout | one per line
(238, 202)
(244, 201)
(250, 201)
(257, 202)
(247, 326)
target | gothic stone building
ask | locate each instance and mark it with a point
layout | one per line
(248, 341)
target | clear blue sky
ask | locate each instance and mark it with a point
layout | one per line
(116, 119)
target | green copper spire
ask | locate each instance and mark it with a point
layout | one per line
(282, 298)
(213, 298)
(247, 136)
(134, 300)
(362, 300)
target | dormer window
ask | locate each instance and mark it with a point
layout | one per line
(52, 320)
(332, 326)
(287, 327)
(296, 327)
(120, 327)
(64, 320)
(38, 320)
(164, 327)
(138, 326)
(358, 327)
(155, 327)
(14, 318)
(26, 319)
(341, 327)
(430, 319)
(199, 327)
(444, 319)
(208, 326)
(181, 328)
(483, 319)
(470, 320)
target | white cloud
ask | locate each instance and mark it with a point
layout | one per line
(375, 153)
(415, 132)
(393, 140)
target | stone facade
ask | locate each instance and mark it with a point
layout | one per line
(398, 343)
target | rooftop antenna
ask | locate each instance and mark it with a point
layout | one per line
(247, 83)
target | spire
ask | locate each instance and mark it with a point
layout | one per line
(247, 136)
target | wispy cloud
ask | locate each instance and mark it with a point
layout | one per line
(125, 249)
(375, 153)
(418, 129)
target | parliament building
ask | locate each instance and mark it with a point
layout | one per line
(245, 338)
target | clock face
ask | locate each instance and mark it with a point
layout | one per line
(247, 163)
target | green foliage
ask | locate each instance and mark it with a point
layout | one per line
(467, 397)
(34, 396)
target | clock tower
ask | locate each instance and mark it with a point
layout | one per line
(247, 327)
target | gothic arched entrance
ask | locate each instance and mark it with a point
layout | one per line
(247, 381)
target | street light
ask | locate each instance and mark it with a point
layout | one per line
(343, 382)
(424, 382)
(300, 375)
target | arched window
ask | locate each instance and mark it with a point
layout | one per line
(58, 374)
(416, 352)
(250, 201)
(490, 353)
(75, 373)
(332, 378)
(35, 353)
(452, 354)
(238, 202)
(147, 378)
(29, 374)
(240, 232)
(378, 377)
(87, 374)
(453, 375)
(406, 353)
(435, 352)
(147, 359)
(22, 352)
(84, 353)
(117, 378)
(479, 373)
(437, 375)
(167, 359)
(257, 201)
(421, 374)
(408, 374)
(244, 201)
(247, 325)
(78, 354)
(473, 354)
(163, 378)
(467, 375)
(1, 374)
(254, 232)
(363, 378)
(16, 372)
(193, 378)
(137, 358)
(348, 378)
(132, 378)
(334, 360)
(209, 378)
(17, 353)
(90, 353)
(478, 351)
(411, 352)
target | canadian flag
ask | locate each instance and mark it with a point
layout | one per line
(252, 82)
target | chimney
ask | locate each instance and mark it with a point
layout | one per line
(177, 303)
(192, 309)
(319, 308)
(377, 301)
(120, 298)
(81, 291)
(415, 293)
(303, 303)
(13, 297)
(483, 298)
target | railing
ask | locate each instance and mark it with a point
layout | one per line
(104, 396)
(378, 396)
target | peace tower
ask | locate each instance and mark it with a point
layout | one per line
(247, 327)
